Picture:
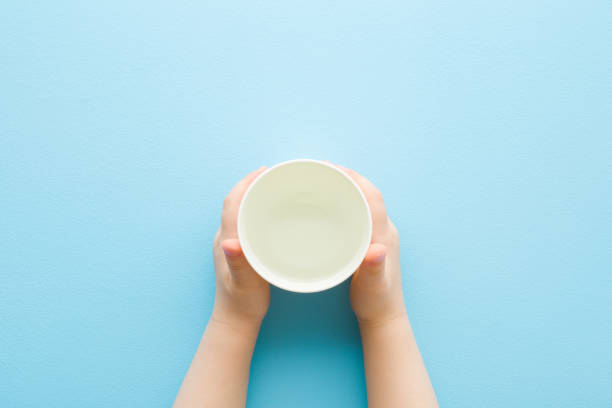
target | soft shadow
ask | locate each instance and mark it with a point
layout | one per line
(299, 318)
(308, 351)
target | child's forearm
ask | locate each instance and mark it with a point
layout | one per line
(219, 373)
(395, 373)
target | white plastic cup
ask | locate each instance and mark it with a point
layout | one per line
(304, 225)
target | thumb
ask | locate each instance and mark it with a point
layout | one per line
(373, 265)
(240, 269)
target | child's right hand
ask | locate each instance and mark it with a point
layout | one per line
(376, 288)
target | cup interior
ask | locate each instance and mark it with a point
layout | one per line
(304, 225)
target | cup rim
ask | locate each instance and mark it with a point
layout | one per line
(303, 287)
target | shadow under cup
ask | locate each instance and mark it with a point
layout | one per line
(304, 225)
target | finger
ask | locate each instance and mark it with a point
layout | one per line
(373, 197)
(373, 265)
(240, 269)
(369, 189)
(231, 204)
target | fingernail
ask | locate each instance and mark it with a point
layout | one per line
(230, 252)
(379, 258)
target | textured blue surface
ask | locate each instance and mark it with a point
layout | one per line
(485, 124)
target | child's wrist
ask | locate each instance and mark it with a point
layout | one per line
(383, 321)
(237, 336)
(236, 322)
(230, 339)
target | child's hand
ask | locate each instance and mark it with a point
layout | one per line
(395, 373)
(242, 296)
(376, 288)
(219, 372)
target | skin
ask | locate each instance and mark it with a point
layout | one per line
(219, 373)
(395, 372)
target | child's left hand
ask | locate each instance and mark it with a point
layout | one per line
(242, 296)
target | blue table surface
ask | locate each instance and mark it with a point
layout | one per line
(486, 125)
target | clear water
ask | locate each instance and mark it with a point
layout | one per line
(305, 223)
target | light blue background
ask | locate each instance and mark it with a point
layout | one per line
(486, 125)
